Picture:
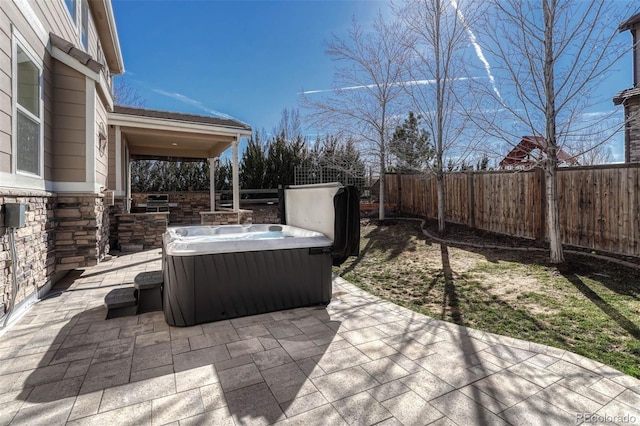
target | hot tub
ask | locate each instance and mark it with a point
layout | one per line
(213, 273)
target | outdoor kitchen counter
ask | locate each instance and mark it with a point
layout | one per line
(140, 231)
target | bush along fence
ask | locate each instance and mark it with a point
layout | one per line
(599, 205)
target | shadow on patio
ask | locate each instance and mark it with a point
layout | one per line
(358, 360)
(247, 369)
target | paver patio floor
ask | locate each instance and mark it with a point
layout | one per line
(360, 360)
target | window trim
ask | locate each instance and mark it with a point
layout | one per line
(74, 16)
(83, 24)
(81, 21)
(18, 40)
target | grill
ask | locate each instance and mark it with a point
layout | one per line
(157, 203)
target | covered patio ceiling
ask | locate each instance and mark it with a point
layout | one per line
(155, 134)
(163, 135)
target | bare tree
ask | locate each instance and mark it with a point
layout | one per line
(591, 146)
(367, 89)
(126, 95)
(547, 58)
(436, 71)
(290, 125)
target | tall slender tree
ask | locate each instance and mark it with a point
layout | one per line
(547, 57)
(367, 89)
(438, 66)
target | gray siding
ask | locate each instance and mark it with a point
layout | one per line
(54, 17)
(69, 116)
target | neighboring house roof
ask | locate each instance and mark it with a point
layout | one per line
(630, 23)
(625, 94)
(69, 48)
(520, 156)
(193, 118)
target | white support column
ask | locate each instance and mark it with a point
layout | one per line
(127, 201)
(212, 183)
(236, 175)
(118, 161)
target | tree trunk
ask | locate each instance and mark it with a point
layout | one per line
(382, 188)
(551, 163)
(553, 215)
(441, 206)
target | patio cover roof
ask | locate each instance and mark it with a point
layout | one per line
(156, 134)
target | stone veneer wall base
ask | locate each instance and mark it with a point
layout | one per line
(226, 217)
(61, 232)
(141, 231)
(82, 230)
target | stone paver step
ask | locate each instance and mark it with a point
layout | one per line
(148, 280)
(121, 298)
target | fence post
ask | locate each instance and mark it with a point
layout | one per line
(539, 172)
(472, 198)
(399, 179)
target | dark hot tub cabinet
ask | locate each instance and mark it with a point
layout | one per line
(213, 273)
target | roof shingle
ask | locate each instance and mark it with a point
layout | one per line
(630, 23)
(193, 118)
(71, 50)
(625, 94)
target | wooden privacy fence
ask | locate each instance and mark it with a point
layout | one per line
(599, 205)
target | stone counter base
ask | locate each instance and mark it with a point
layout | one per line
(226, 217)
(141, 231)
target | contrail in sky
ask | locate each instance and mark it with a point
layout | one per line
(369, 86)
(477, 48)
(187, 100)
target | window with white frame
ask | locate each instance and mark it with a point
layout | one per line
(84, 24)
(79, 11)
(72, 6)
(28, 132)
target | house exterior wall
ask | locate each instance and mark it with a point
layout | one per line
(69, 133)
(33, 20)
(67, 226)
(5, 93)
(35, 264)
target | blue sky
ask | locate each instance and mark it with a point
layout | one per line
(250, 59)
(247, 59)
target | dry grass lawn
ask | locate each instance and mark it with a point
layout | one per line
(587, 306)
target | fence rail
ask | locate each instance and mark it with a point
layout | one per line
(599, 205)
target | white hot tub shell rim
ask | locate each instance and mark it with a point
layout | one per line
(215, 239)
